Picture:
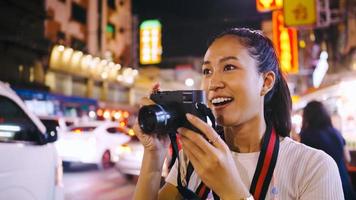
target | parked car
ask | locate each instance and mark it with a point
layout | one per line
(91, 142)
(130, 157)
(29, 164)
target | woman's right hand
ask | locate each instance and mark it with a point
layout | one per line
(155, 147)
(151, 142)
(155, 152)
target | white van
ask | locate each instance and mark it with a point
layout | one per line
(29, 164)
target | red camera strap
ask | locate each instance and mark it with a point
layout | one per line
(265, 165)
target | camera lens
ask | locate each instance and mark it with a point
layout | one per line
(147, 118)
(155, 119)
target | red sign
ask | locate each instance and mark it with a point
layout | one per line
(285, 40)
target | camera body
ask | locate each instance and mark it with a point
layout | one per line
(168, 114)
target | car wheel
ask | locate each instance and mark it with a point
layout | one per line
(106, 160)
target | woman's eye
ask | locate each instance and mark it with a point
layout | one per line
(229, 67)
(206, 71)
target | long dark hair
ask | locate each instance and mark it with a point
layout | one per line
(278, 103)
(315, 116)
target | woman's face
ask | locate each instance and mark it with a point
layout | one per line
(232, 82)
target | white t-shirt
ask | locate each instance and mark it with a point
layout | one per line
(301, 172)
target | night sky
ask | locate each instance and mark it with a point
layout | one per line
(188, 24)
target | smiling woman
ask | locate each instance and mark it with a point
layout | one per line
(254, 158)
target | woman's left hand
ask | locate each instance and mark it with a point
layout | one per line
(212, 161)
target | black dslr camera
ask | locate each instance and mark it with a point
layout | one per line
(168, 114)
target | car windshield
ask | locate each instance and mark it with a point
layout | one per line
(68, 123)
(15, 125)
(79, 129)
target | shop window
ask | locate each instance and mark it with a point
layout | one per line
(100, 12)
(61, 36)
(97, 90)
(79, 13)
(122, 30)
(117, 130)
(50, 14)
(78, 44)
(113, 130)
(111, 4)
(79, 86)
(110, 31)
(83, 129)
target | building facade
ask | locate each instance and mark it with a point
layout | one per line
(22, 42)
(92, 42)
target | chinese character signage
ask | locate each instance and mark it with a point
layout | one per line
(150, 42)
(268, 5)
(299, 12)
(285, 40)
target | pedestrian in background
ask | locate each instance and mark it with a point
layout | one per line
(318, 132)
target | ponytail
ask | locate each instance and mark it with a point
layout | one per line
(278, 106)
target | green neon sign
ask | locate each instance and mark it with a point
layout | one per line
(152, 23)
(110, 28)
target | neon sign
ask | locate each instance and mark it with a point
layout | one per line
(285, 40)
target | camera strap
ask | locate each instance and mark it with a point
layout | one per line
(266, 163)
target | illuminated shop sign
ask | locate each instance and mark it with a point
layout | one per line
(66, 59)
(268, 5)
(285, 40)
(72, 61)
(299, 12)
(150, 42)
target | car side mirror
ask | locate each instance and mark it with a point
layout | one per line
(51, 136)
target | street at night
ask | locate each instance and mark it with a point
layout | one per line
(177, 99)
(86, 182)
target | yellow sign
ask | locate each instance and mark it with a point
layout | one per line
(299, 12)
(285, 40)
(268, 5)
(295, 99)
